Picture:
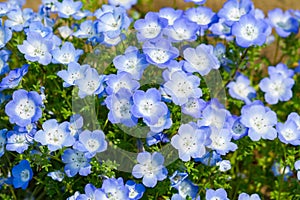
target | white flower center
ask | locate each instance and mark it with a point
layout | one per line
(249, 32)
(234, 14)
(78, 159)
(74, 76)
(25, 109)
(122, 108)
(25, 175)
(55, 137)
(183, 88)
(159, 56)
(92, 145)
(66, 58)
(147, 107)
(289, 134)
(258, 123)
(132, 193)
(151, 30)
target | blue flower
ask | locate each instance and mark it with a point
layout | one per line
(125, 4)
(132, 62)
(66, 54)
(249, 31)
(187, 189)
(5, 33)
(76, 162)
(210, 158)
(91, 192)
(194, 107)
(154, 138)
(24, 108)
(279, 170)
(198, 2)
(67, 8)
(14, 77)
(238, 129)
(4, 56)
(150, 168)
(160, 52)
(283, 22)
(164, 122)
(244, 196)
(2, 141)
(182, 86)
(277, 88)
(37, 48)
(75, 125)
(91, 143)
(136, 190)
(281, 69)
(224, 165)
(22, 174)
(190, 141)
(148, 105)
(260, 121)
(151, 27)
(241, 89)
(114, 189)
(216, 194)
(54, 135)
(201, 59)
(56, 175)
(288, 132)
(124, 80)
(297, 167)
(18, 18)
(17, 141)
(86, 30)
(90, 84)
(120, 105)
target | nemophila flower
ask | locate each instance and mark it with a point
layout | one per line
(182, 29)
(281, 69)
(216, 194)
(56, 175)
(2, 141)
(4, 8)
(221, 141)
(14, 77)
(283, 22)
(75, 125)
(39, 27)
(86, 29)
(260, 121)
(288, 132)
(24, 108)
(224, 165)
(233, 10)
(5, 33)
(198, 2)
(297, 167)
(221, 29)
(203, 16)
(74, 196)
(120, 105)
(124, 80)
(74, 72)
(151, 27)
(150, 168)
(18, 18)
(279, 170)
(54, 135)
(37, 48)
(190, 141)
(90, 84)
(201, 59)
(132, 62)
(249, 31)
(76, 162)
(148, 105)
(67, 8)
(17, 141)
(90, 192)
(155, 138)
(127, 4)
(136, 190)
(210, 158)
(193, 107)
(238, 129)
(177, 178)
(22, 174)
(277, 88)
(241, 89)
(112, 20)
(244, 196)
(187, 189)
(160, 52)
(164, 122)
(66, 54)
(4, 56)
(113, 188)
(170, 14)
(182, 86)
(91, 142)
(293, 116)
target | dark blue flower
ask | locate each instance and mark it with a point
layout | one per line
(22, 174)
(14, 77)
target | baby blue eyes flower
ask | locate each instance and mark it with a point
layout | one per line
(297, 167)
(5, 33)
(190, 141)
(210, 158)
(114, 189)
(24, 108)
(2, 141)
(198, 2)
(56, 175)
(278, 170)
(219, 194)
(124, 80)
(66, 54)
(136, 190)
(76, 162)
(149, 106)
(244, 196)
(22, 174)
(17, 141)
(4, 56)
(67, 8)
(181, 87)
(194, 107)
(201, 59)
(260, 121)
(250, 31)
(54, 135)
(37, 48)
(288, 132)
(224, 165)
(150, 168)
(127, 4)
(91, 143)
(14, 77)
